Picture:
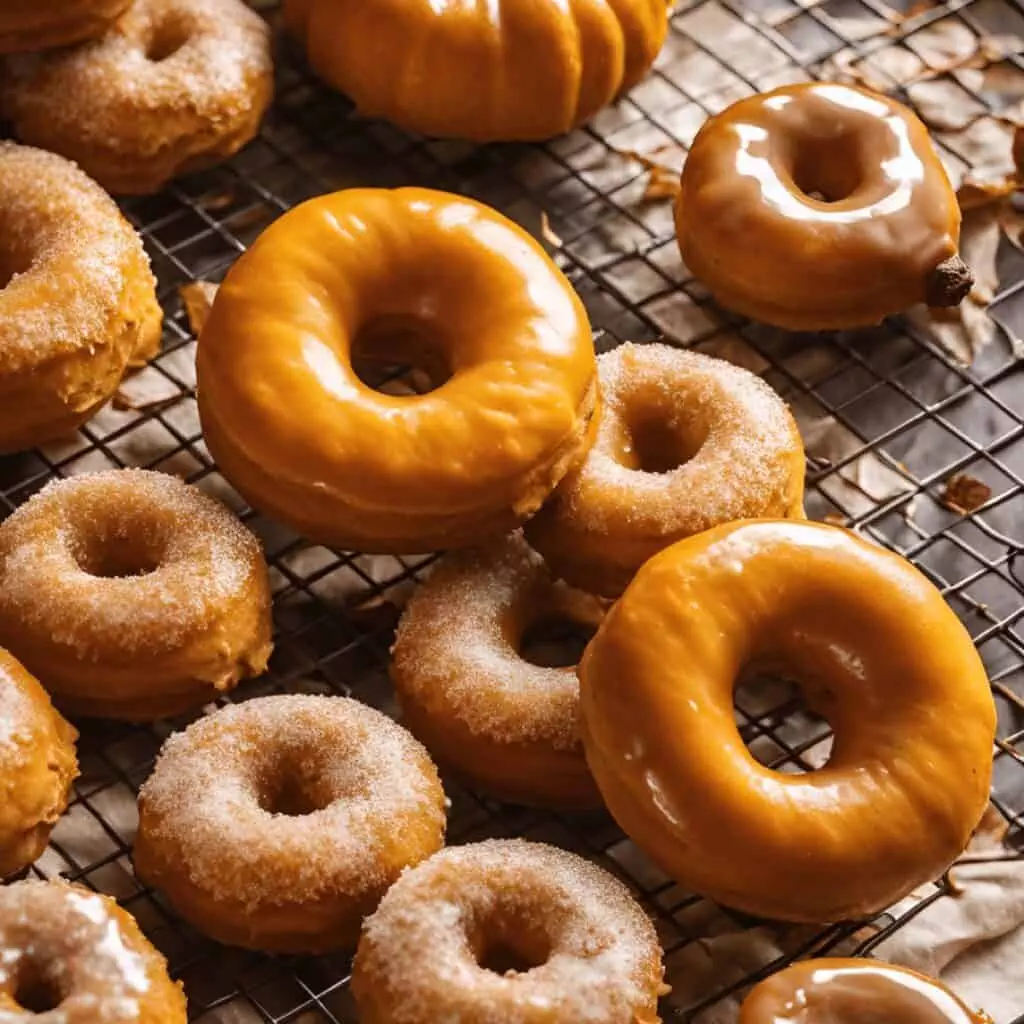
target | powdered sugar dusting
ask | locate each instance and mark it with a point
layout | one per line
(604, 963)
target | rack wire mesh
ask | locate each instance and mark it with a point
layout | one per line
(908, 413)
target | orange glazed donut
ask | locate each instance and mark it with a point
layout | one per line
(74, 957)
(173, 86)
(37, 767)
(132, 595)
(77, 298)
(27, 27)
(509, 931)
(508, 726)
(820, 206)
(414, 276)
(278, 824)
(854, 992)
(878, 653)
(502, 70)
(686, 442)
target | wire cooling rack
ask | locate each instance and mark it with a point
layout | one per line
(908, 414)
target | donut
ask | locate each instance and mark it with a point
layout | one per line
(505, 725)
(820, 207)
(173, 86)
(851, 992)
(25, 28)
(876, 651)
(132, 595)
(510, 931)
(686, 442)
(75, 957)
(409, 276)
(279, 824)
(500, 71)
(37, 766)
(77, 298)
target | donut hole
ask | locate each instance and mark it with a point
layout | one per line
(295, 784)
(13, 262)
(400, 356)
(168, 37)
(510, 944)
(35, 991)
(828, 170)
(657, 441)
(555, 641)
(119, 556)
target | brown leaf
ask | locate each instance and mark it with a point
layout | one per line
(547, 233)
(662, 184)
(198, 297)
(964, 494)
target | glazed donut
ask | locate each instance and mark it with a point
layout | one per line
(908, 779)
(71, 951)
(173, 86)
(77, 298)
(26, 28)
(278, 824)
(852, 992)
(510, 931)
(507, 726)
(500, 71)
(37, 767)
(820, 206)
(408, 275)
(686, 442)
(132, 595)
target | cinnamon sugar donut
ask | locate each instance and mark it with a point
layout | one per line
(71, 956)
(37, 767)
(28, 27)
(132, 595)
(686, 442)
(279, 824)
(173, 86)
(77, 298)
(508, 931)
(508, 726)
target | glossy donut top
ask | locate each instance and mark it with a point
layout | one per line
(448, 278)
(853, 991)
(816, 205)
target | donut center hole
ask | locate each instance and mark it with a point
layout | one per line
(295, 783)
(655, 444)
(513, 945)
(168, 38)
(119, 557)
(12, 264)
(36, 993)
(555, 642)
(400, 356)
(828, 170)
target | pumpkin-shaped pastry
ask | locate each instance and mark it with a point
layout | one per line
(502, 70)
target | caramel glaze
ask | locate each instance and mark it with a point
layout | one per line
(820, 206)
(838, 991)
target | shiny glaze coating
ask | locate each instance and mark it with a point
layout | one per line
(408, 275)
(66, 944)
(750, 229)
(37, 766)
(876, 651)
(838, 991)
(502, 70)
(42, 24)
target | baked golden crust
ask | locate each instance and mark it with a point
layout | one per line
(28, 28)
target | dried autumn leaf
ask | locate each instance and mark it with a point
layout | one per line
(964, 494)
(662, 184)
(547, 233)
(198, 297)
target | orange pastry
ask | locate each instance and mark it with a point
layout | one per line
(510, 931)
(71, 956)
(28, 27)
(877, 652)
(685, 443)
(77, 298)
(396, 276)
(37, 767)
(504, 70)
(278, 824)
(820, 206)
(853, 992)
(172, 86)
(132, 595)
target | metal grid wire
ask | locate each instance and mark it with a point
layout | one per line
(904, 399)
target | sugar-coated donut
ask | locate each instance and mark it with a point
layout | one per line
(506, 725)
(37, 766)
(852, 992)
(171, 87)
(278, 824)
(686, 442)
(28, 27)
(820, 206)
(132, 595)
(75, 957)
(500, 71)
(77, 298)
(409, 275)
(510, 931)
(877, 653)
